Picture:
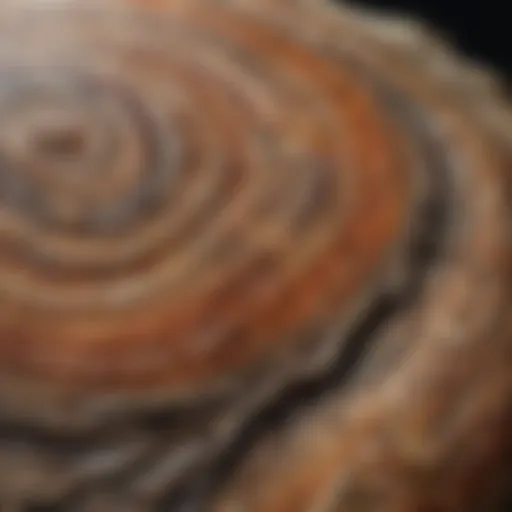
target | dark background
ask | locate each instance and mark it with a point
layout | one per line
(477, 27)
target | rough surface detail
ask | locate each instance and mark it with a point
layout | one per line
(254, 257)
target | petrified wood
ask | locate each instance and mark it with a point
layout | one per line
(255, 256)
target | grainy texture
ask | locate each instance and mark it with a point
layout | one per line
(254, 257)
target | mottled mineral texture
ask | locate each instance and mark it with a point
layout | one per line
(255, 256)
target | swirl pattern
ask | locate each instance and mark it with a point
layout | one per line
(254, 256)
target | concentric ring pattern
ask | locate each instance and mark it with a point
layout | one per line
(254, 256)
